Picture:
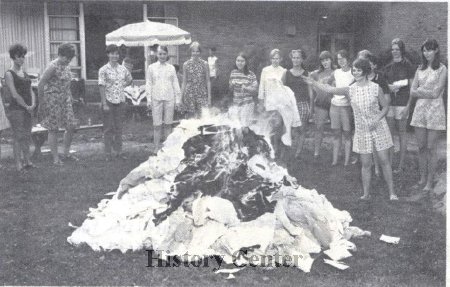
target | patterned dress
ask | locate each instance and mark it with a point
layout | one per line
(364, 101)
(429, 113)
(55, 107)
(195, 96)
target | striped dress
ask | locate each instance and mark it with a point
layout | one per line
(243, 103)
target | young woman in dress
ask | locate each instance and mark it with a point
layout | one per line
(303, 96)
(429, 114)
(340, 110)
(399, 74)
(243, 85)
(372, 133)
(55, 106)
(322, 100)
(21, 107)
(196, 86)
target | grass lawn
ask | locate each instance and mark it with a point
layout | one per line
(36, 208)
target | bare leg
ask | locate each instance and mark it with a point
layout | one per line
(336, 146)
(383, 158)
(431, 157)
(347, 147)
(17, 154)
(377, 164)
(403, 147)
(167, 131)
(366, 174)
(300, 140)
(157, 130)
(53, 142)
(421, 136)
(391, 123)
(318, 137)
(68, 135)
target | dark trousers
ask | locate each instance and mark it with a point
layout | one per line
(112, 127)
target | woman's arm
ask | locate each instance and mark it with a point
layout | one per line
(12, 89)
(33, 99)
(384, 100)
(208, 83)
(183, 83)
(262, 87)
(283, 77)
(253, 86)
(327, 88)
(48, 73)
(176, 87)
(434, 93)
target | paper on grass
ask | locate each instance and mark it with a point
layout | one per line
(401, 83)
(229, 271)
(336, 264)
(337, 253)
(390, 239)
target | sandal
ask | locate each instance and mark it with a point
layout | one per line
(29, 165)
(393, 197)
(365, 197)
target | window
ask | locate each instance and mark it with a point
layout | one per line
(334, 42)
(64, 27)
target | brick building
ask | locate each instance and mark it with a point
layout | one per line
(256, 27)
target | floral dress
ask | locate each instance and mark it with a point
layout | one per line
(195, 96)
(55, 107)
(364, 101)
(429, 113)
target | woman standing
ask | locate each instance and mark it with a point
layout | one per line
(399, 74)
(340, 110)
(21, 107)
(243, 85)
(269, 74)
(303, 96)
(429, 114)
(371, 130)
(164, 94)
(322, 100)
(196, 87)
(55, 108)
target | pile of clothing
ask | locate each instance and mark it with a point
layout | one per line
(213, 189)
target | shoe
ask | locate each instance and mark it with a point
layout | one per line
(29, 165)
(393, 197)
(70, 157)
(365, 197)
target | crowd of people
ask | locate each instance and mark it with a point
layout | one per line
(365, 102)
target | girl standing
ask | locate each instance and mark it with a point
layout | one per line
(399, 74)
(55, 109)
(21, 107)
(322, 100)
(196, 87)
(429, 114)
(303, 95)
(243, 85)
(163, 93)
(371, 130)
(340, 110)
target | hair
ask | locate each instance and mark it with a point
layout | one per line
(112, 49)
(243, 55)
(364, 54)
(373, 59)
(164, 48)
(300, 51)
(66, 50)
(364, 65)
(400, 44)
(344, 54)
(430, 44)
(177, 67)
(275, 52)
(17, 50)
(325, 55)
(195, 45)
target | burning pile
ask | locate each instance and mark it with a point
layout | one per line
(213, 190)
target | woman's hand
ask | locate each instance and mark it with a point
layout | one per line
(372, 125)
(404, 114)
(308, 80)
(393, 88)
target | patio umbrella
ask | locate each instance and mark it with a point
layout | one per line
(148, 33)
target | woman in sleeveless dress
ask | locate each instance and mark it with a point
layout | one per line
(196, 87)
(55, 108)
(21, 107)
(428, 118)
(372, 133)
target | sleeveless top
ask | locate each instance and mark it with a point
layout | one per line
(342, 79)
(23, 86)
(298, 86)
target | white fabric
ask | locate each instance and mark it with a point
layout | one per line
(148, 33)
(212, 63)
(267, 73)
(342, 79)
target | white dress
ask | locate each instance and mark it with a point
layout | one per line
(4, 123)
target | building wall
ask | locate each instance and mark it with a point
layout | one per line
(412, 22)
(22, 22)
